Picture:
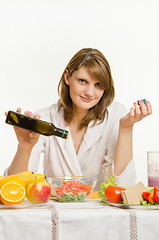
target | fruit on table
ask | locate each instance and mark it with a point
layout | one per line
(12, 190)
(24, 173)
(112, 194)
(38, 192)
(28, 177)
(13, 187)
(37, 177)
(1, 177)
(11, 178)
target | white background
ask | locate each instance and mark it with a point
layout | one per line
(38, 38)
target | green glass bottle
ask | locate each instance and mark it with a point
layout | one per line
(35, 125)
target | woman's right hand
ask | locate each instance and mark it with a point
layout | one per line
(26, 139)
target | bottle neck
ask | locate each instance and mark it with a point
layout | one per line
(59, 132)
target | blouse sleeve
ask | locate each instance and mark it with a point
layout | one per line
(34, 159)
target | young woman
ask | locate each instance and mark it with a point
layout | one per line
(100, 140)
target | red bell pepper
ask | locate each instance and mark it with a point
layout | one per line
(148, 196)
(156, 194)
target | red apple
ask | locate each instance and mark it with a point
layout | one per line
(38, 192)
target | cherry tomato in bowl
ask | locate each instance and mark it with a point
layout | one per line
(112, 194)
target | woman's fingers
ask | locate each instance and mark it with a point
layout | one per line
(137, 110)
(149, 107)
(142, 110)
(132, 112)
(146, 108)
(31, 134)
(137, 113)
(28, 113)
(37, 116)
(19, 110)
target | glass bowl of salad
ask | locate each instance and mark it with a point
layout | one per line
(72, 189)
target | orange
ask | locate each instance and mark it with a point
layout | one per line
(12, 190)
(1, 177)
(11, 179)
(12, 193)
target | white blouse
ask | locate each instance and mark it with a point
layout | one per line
(95, 155)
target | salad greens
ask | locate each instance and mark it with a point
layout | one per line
(71, 198)
(144, 202)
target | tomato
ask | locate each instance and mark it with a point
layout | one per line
(156, 194)
(59, 191)
(148, 196)
(112, 194)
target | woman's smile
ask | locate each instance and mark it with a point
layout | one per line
(85, 99)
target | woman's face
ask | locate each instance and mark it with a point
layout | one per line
(85, 89)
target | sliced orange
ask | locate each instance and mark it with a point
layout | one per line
(12, 190)
(12, 193)
(11, 179)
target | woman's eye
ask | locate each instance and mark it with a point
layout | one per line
(99, 85)
(82, 81)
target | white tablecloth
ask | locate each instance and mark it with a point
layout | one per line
(29, 223)
(77, 221)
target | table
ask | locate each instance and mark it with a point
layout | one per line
(77, 221)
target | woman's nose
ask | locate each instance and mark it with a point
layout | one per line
(89, 91)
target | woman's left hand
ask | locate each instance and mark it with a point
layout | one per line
(136, 114)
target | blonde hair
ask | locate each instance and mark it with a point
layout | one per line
(95, 61)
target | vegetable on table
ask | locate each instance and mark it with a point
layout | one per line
(72, 191)
(112, 194)
(156, 194)
(110, 191)
(148, 196)
(151, 197)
